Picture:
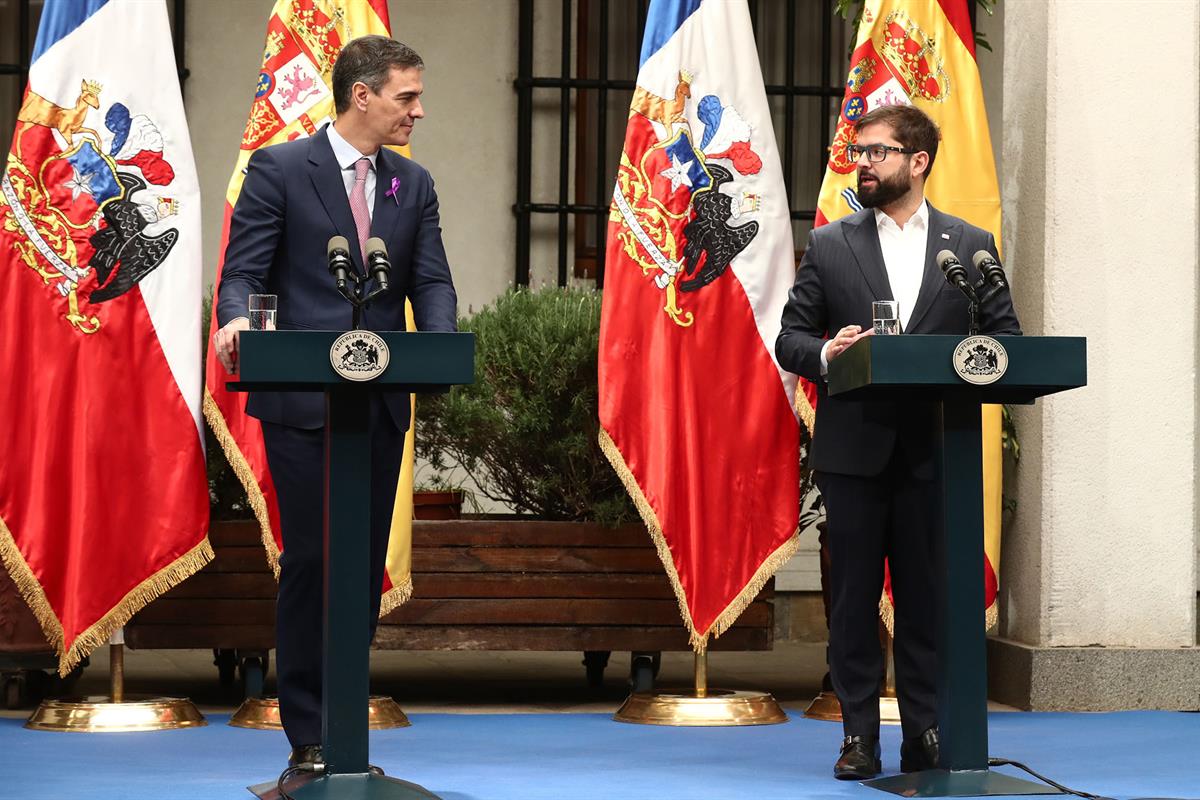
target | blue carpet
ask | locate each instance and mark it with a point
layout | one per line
(1122, 755)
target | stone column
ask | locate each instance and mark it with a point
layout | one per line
(1100, 188)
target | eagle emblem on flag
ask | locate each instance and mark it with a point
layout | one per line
(683, 211)
(77, 200)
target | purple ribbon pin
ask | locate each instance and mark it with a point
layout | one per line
(392, 191)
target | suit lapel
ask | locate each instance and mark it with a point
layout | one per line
(863, 238)
(387, 207)
(326, 178)
(932, 279)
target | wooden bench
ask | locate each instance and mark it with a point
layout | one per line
(479, 584)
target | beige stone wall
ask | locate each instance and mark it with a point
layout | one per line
(467, 140)
(1101, 167)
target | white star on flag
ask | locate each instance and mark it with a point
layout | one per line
(677, 173)
(79, 183)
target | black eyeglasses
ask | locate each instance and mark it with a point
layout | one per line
(875, 152)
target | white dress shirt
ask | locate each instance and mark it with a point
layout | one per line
(347, 157)
(903, 258)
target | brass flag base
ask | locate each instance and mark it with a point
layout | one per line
(262, 713)
(701, 707)
(118, 711)
(718, 707)
(99, 715)
(826, 706)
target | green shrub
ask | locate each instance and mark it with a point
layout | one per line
(526, 430)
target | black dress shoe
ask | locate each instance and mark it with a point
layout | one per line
(309, 754)
(919, 752)
(859, 759)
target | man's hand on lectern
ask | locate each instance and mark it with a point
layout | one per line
(844, 338)
(225, 340)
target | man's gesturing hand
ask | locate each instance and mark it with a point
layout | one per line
(844, 338)
(225, 340)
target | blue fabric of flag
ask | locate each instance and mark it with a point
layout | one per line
(662, 20)
(59, 19)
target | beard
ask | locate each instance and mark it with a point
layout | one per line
(883, 191)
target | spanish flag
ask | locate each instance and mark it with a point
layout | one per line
(293, 99)
(923, 53)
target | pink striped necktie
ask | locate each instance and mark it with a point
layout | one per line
(358, 204)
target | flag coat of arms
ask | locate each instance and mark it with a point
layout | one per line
(103, 490)
(923, 54)
(294, 98)
(696, 414)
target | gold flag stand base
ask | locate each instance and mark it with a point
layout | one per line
(100, 715)
(117, 712)
(825, 706)
(701, 707)
(262, 713)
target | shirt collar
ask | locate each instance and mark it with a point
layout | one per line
(920, 217)
(343, 151)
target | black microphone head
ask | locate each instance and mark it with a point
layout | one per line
(982, 257)
(337, 243)
(376, 245)
(947, 259)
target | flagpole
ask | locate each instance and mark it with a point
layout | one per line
(116, 713)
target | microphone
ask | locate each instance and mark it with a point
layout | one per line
(338, 252)
(378, 265)
(990, 269)
(955, 272)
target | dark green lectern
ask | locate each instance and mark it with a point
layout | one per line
(301, 361)
(911, 367)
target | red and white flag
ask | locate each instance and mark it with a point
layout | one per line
(103, 491)
(696, 414)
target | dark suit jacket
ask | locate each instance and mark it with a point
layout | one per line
(292, 202)
(841, 273)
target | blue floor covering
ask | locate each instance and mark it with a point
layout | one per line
(1125, 755)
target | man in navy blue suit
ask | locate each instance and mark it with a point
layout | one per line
(296, 196)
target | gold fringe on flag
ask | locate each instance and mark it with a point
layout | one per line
(241, 468)
(102, 630)
(991, 617)
(698, 640)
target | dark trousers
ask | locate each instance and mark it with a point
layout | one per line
(896, 516)
(297, 460)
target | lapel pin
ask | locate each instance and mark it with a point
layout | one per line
(945, 236)
(392, 191)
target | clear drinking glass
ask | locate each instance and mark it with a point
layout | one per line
(262, 311)
(885, 315)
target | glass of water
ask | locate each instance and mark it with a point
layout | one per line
(885, 315)
(262, 311)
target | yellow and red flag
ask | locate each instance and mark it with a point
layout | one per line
(923, 53)
(103, 493)
(294, 99)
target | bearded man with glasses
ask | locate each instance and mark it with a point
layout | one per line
(875, 461)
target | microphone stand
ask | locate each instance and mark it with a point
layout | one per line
(354, 296)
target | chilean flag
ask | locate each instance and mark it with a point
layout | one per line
(696, 414)
(103, 490)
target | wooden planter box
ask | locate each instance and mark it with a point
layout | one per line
(478, 584)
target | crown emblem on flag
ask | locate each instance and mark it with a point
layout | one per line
(914, 55)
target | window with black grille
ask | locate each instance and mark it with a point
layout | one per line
(19, 21)
(577, 64)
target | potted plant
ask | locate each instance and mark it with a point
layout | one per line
(526, 431)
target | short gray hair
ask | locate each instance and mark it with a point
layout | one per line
(369, 60)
